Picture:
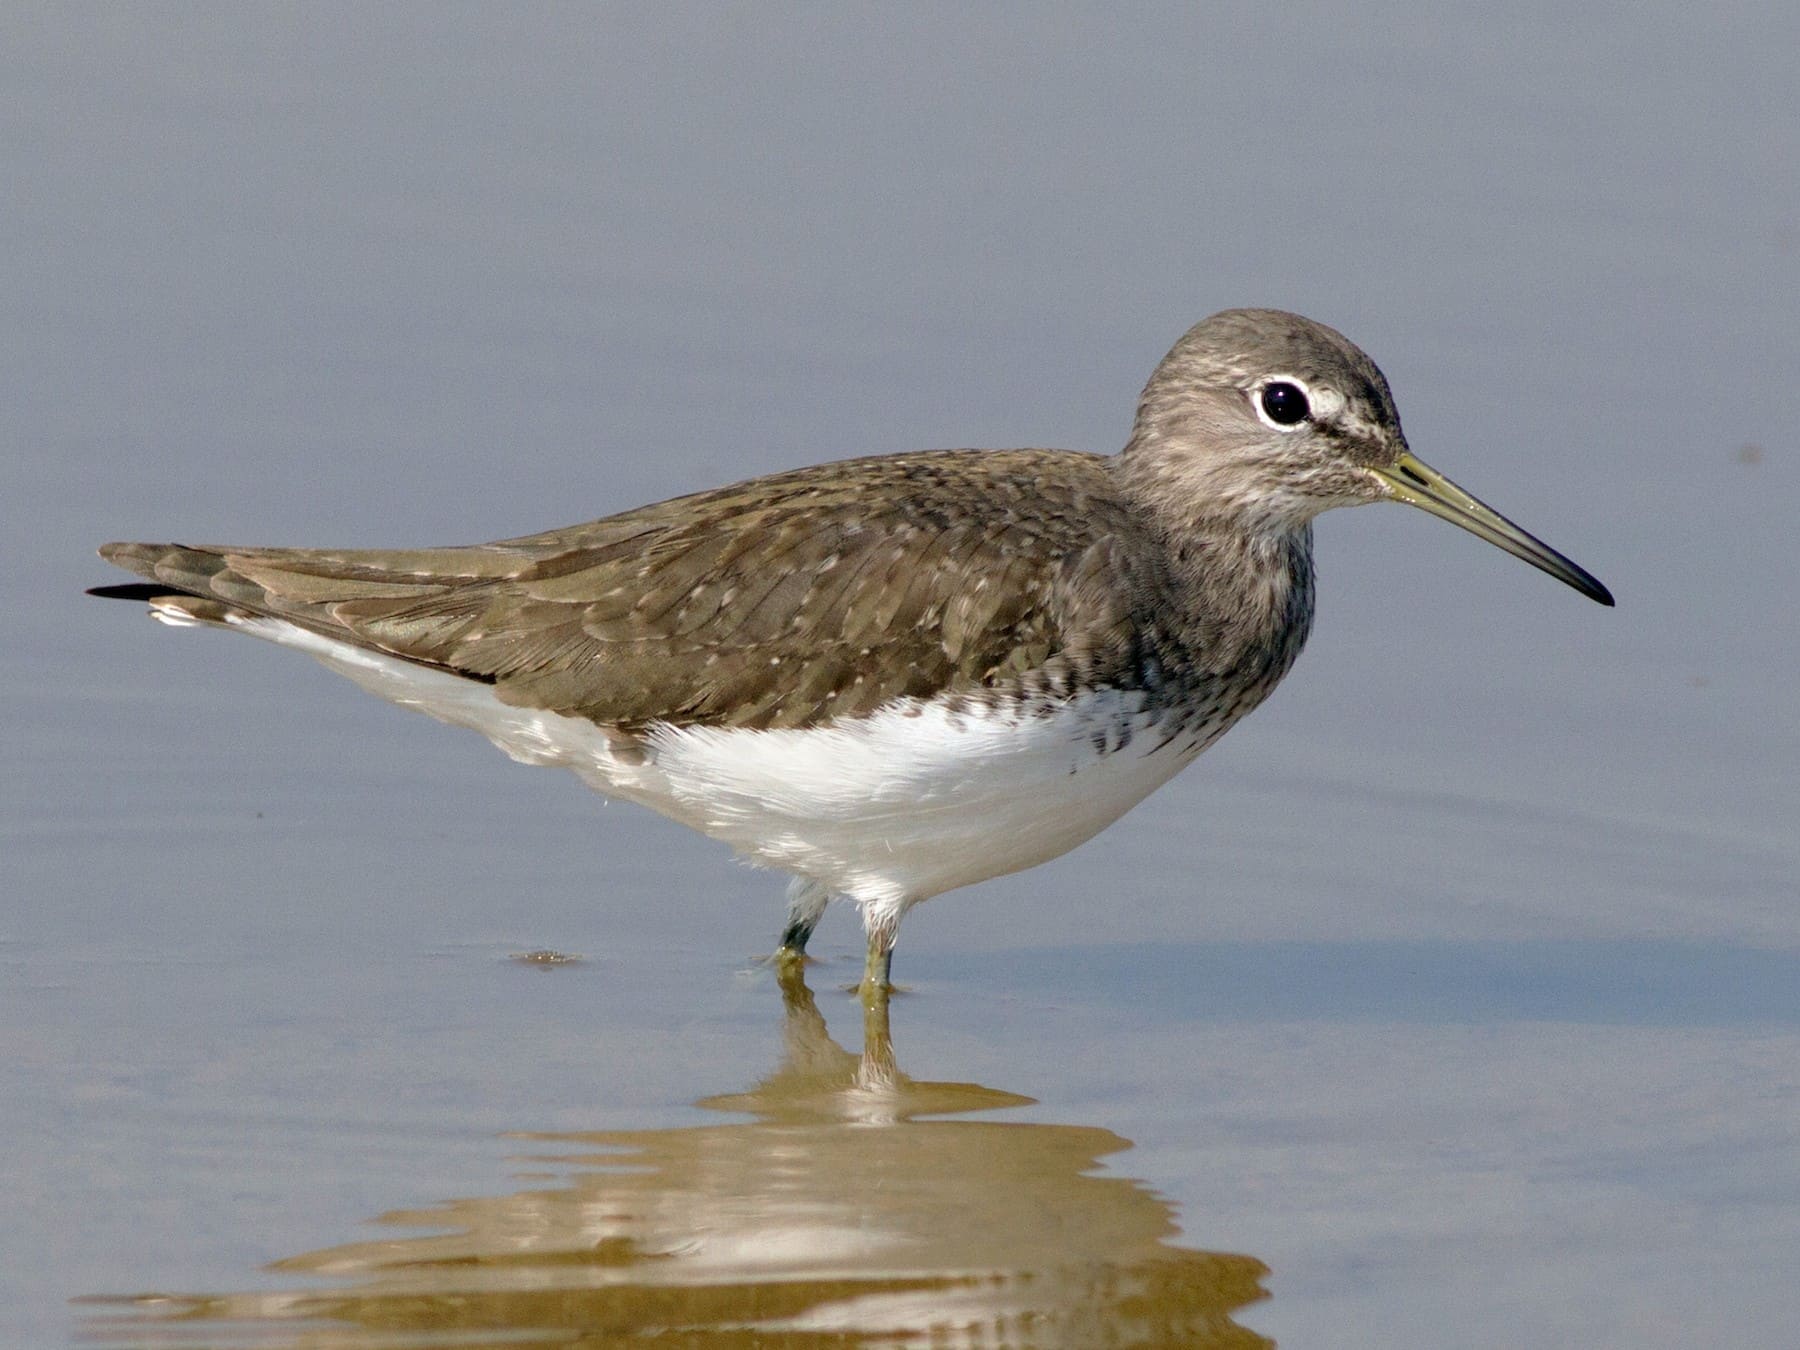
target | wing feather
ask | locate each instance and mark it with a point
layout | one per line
(783, 602)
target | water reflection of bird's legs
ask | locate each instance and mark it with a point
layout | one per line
(877, 1068)
(796, 997)
(805, 1031)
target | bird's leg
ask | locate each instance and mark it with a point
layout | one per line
(879, 964)
(806, 903)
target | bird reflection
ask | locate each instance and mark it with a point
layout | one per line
(856, 1207)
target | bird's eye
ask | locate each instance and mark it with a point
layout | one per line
(1284, 403)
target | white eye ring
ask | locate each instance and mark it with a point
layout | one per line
(1283, 403)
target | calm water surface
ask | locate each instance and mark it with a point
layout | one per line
(1452, 1000)
(844, 1203)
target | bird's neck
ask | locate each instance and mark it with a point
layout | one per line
(1241, 584)
(1249, 595)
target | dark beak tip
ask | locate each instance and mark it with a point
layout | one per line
(1594, 589)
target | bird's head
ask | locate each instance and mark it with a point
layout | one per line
(1262, 419)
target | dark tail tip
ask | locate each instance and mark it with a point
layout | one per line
(132, 590)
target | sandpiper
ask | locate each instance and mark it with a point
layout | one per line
(892, 676)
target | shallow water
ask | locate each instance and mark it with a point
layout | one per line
(1450, 1000)
(845, 1202)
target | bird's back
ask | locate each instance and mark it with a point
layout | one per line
(787, 601)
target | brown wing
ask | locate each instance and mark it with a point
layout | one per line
(782, 602)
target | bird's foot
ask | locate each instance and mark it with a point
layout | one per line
(877, 983)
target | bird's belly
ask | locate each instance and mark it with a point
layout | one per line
(892, 808)
(916, 799)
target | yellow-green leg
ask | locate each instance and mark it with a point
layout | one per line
(877, 967)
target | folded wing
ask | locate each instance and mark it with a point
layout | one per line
(784, 602)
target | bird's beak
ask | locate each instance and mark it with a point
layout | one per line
(1415, 482)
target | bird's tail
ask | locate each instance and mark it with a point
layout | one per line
(183, 585)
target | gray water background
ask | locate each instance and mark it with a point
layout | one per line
(1459, 985)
